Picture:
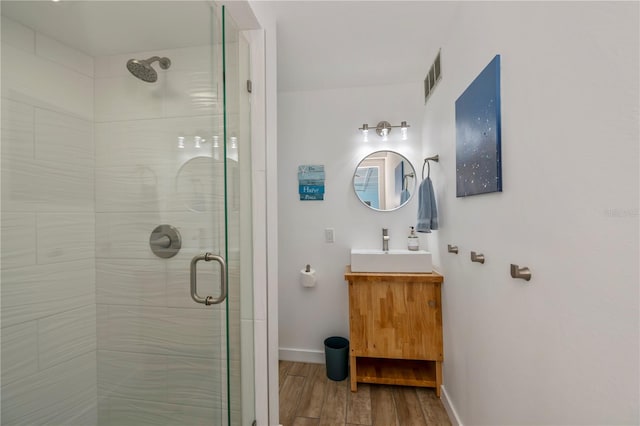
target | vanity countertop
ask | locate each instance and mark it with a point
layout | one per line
(434, 276)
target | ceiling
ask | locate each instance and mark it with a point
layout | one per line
(100, 28)
(333, 44)
(321, 44)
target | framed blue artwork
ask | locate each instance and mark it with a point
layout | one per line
(478, 134)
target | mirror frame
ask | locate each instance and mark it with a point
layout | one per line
(404, 158)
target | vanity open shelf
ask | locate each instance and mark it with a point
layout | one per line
(405, 372)
(395, 327)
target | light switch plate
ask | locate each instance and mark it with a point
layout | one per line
(329, 235)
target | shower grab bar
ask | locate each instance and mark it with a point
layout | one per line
(209, 300)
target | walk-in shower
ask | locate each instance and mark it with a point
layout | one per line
(142, 68)
(97, 329)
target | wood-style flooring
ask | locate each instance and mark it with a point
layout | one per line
(308, 397)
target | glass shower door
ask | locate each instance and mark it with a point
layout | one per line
(96, 328)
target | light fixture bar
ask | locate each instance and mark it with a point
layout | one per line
(384, 128)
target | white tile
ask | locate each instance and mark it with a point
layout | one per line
(261, 383)
(55, 51)
(102, 321)
(125, 235)
(160, 187)
(127, 98)
(195, 188)
(189, 93)
(63, 139)
(131, 282)
(194, 381)
(259, 243)
(46, 84)
(131, 375)
(186, 332)
(63, 237)
(66, 335)
(134, 329)
(247, 375)
(193, 332)
(18, 133)
(17, 35)
(42, 290)
(46, 186)
(61, 395)
(18, 239)
(152, 141)
(135, 188)
(19, 351)
(134, 142)
(130, 412)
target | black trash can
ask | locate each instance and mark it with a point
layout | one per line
(336, 354)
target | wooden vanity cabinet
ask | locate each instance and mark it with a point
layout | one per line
(395, 327)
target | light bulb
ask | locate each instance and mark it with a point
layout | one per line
(196, 140)
(365, 137)
(181, 142)
(404, 130)
(216, 147)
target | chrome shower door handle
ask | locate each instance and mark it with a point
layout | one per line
(209, 300)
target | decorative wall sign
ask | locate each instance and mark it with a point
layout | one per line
(311, 182)
(478, 134)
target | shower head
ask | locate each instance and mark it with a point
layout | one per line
(142, 68)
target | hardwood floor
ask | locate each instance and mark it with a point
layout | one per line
(309, 398)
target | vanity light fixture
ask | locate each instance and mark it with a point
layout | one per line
(384, 128)
(365, 132)
(216, 147)
(403, 130)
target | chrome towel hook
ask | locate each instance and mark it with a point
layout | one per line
(518, 272)
(477, 257)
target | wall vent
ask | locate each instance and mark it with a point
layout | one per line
(433, 77)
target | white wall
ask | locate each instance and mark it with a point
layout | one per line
(321, 127)
(563, 348)
(48, 282)
(267, 92)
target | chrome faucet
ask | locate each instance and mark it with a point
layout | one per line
(385, 239)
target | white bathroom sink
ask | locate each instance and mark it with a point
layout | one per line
(372, 260)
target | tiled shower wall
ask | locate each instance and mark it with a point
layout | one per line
(48, 244)
(159, 353)
(76, 219)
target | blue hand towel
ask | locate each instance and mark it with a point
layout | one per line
(427, 211)
(404, 196)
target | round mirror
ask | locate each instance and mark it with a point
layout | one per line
(384, 180)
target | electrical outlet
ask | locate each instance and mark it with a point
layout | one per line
(329, 235)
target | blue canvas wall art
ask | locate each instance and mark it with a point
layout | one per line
(478, 134)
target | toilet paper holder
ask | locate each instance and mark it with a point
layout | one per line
(308, 276)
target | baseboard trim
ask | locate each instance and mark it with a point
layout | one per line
(448, 405)
(301, 355)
